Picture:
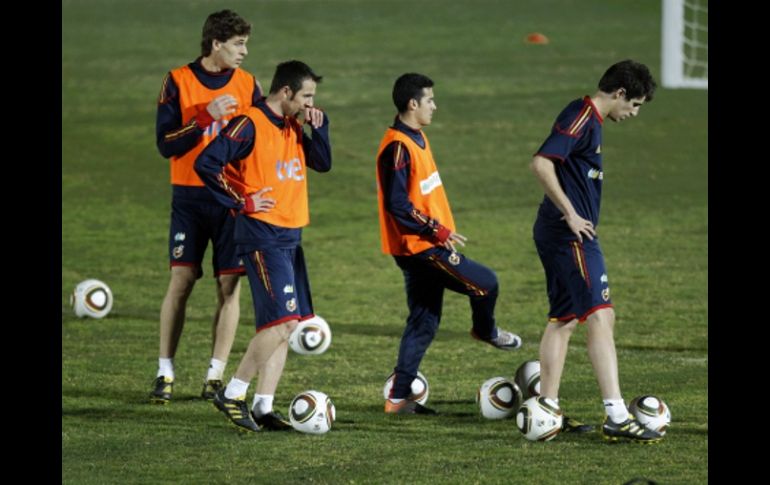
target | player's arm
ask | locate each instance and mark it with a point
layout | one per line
(393, 165)
(233, 144)
(175, 136)
(317, 147)
(545, 172)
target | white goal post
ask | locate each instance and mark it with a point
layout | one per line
(685, 44)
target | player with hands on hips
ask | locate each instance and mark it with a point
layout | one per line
(569, 167)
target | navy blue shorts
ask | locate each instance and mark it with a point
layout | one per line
(576, 278)
(280, 289)
(193, 224)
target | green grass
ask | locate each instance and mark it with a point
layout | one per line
(497, 98)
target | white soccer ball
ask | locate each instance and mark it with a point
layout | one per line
(312, 412)
(539, 419)
(651, 412)
(420, 388)
(528, 378)
(91, 298)
(311, 337)
(498, 398)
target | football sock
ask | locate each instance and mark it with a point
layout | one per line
(262, 404)
(236, 388)
(616, 410)
(216, 369)
(165, 367)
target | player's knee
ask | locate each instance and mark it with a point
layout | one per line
(284, 330)
(489, 282)
(571, 325)
(229, 286)
(275, 334)
(290, 327)
(604, 317)
(182, 280)
(567, 327)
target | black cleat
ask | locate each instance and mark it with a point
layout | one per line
(505, 340)
(235, 410)
(272, 421)
(210, 388)
(630, 429)
(406, 407)
(572, 425)
(162, 388)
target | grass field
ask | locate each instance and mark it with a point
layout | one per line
(497, 98)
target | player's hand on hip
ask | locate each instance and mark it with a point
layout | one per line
(255, 202)
(314, 116)
(222, 105)
(580, 227)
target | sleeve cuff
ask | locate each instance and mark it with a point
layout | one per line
(442, 233)
(248, 206)
(203, 119)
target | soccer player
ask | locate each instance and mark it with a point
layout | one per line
(569, 167)
(417, 229)
(257, 167)
(196, 102)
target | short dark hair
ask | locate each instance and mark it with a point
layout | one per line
(409, 86)
(292, 74)
(634, 76)
(222, 26)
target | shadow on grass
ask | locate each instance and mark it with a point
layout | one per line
(447, 334)
(391, 330)
(699, 431)
(670, 348)
(123, 398)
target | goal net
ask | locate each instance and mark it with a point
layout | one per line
(685, 44)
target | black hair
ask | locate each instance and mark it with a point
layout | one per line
(407, 87)
(292, 74)
(633, 76)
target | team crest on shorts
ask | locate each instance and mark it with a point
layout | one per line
(178, 251)
(454, 259)
(606, 294)
(291, 305)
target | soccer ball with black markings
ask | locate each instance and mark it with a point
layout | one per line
(651, 412)
(91, 298)
(311, 337)
(539, 419)
(498, 398)
(312, 412)
(420, 388)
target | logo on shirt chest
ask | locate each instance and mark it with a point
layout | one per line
(291, 170)
(429, 184)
